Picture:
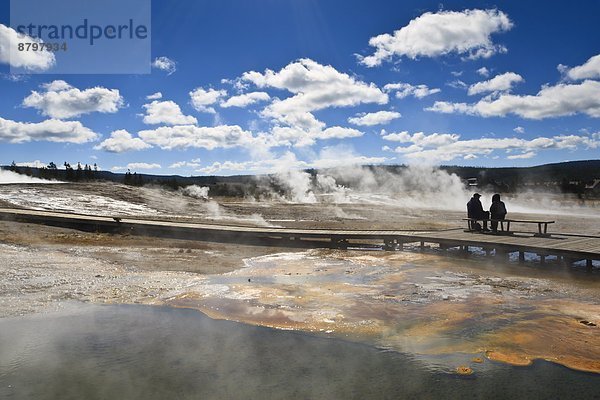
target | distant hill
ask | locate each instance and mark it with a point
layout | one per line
(572, 171)
(572, 176)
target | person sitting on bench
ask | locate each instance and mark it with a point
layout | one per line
(475, 211)
(497, 211)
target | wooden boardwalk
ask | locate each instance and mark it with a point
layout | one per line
(568, 247)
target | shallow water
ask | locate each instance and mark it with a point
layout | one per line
(135, 352)
(414, 303)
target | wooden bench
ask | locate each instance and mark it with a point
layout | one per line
(542, 225)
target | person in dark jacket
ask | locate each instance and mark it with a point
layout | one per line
(475, 210)
(497, 211)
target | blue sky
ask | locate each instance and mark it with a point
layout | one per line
(256, 86)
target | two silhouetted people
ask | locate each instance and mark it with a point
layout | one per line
(475, 211)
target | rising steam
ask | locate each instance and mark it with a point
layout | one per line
(415, 186)
(215, 211)
(8, 177)
(196, 192)
(412, 187)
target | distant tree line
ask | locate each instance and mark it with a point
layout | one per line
(133, 179)
(79, 173)
(85, 173)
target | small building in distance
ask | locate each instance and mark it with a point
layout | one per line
(593, 189)
(594, 185)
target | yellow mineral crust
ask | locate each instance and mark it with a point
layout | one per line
(409, 303)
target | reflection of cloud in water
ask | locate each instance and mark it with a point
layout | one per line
(137, 352)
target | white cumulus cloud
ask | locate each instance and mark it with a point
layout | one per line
(420, 138)
(166, 112)
(29, 60)
(202, 99)
(195, 163)
(446, 147)
(457, 84)
(61, 100)
(338, 132)
(121, 141)
(137, 166)
(499, 83)
(522, 156)
(246, 99)
(191, 136)
(551, 101)
(483, 71)
(291, 136)
(406, 89)
(52, 130)
(165, 64)
(313, 87)
(375, 118)
(154, 96)
(589, 70)
(434, 34)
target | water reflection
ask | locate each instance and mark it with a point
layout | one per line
(135, 352)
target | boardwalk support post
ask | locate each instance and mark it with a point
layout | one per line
(521, 256)
(588, 265)
(389, 245)
(339, 243)
(500, 252)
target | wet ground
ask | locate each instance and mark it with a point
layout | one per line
(444, 310)
(423, 304)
